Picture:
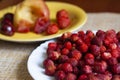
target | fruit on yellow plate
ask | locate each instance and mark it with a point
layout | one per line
(27, 12)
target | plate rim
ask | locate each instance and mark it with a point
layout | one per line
(56, 35)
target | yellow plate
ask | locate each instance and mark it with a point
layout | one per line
(77, 15)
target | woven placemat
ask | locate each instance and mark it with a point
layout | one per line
(14, 56)
(104, 21)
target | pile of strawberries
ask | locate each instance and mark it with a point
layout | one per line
(62, 21)
(84, 56)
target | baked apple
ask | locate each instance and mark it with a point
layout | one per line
(27, 12)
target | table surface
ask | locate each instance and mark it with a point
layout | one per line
(14, 56)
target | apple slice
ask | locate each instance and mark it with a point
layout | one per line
(27, 12)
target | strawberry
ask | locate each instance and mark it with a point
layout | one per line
(63, 19)
(41, 25)
(52, 29)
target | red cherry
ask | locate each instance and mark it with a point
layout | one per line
(7, 29)
(9, 16)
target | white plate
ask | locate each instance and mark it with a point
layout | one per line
(35, 63)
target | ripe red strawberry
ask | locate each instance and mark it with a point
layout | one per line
(116, 69)
(83, 77)
(66, 35)
(100, 67)
(76, 54)
(74, 37)
(102, 49)
(106, 55)
(90, 34)
(49, 67)
(54, 55)
(67, 67)
(89, 59)
(52, 29)
(63, 58)
(100, 34)
(68, 45)
(63, 19)
(70, 76)
(60, 75)
(95, 50)
(52, 45)
(62, 13)
(87, 69)
(115, 53)
(81, 34)
(116, 77)
(113, 46)
(72, 61)
(118, 35)
(64, 51)
(83, 47)
(76, 70)
(112, 61)
(41, 25)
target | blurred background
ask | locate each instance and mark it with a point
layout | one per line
(87, 5)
